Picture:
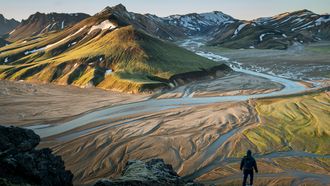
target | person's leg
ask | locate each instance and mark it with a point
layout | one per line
(245, 173)
(251, 177)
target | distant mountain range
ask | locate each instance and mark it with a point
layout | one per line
(277, 32)
(40, 23)
(120, 50)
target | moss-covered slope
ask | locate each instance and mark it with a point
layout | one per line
(100, 51)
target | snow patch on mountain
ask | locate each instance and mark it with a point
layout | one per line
(298, 20)
(188, 23)
(238, 29)
(34, 50)
(302, 26)
(215, 17)
(66, 38)
(109, 71)
(286, 20)
(321, 20)
(71, 44)
(51, 28)
(103, 26)
(12, 31)
(199, 22)
(261, 37)
(45, 28)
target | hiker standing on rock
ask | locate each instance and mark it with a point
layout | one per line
(247, 165)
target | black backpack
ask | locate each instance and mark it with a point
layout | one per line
(248, 163)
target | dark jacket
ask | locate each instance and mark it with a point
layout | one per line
(248, 163)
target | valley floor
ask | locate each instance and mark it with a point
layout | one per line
(304, 62)
(205, 142)
(24, 104)
(202, 139)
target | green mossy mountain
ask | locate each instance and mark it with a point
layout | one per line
(102, 51)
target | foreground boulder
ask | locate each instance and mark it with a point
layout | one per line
(22, 164)
(153, 172)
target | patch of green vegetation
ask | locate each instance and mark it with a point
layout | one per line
(85, 78)
(168, 59)
(135, 77)
(303, 164)
(133, 56)
(300, 123)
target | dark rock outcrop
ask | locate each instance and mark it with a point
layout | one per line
(153, 172)
(22, 164)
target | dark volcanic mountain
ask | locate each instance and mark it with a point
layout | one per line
(40, 23)
(7, 25)
(110, 50)
(277, 32)
(200, 24)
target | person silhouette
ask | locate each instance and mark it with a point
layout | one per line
(247, 165)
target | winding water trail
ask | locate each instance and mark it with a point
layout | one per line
(156, 105)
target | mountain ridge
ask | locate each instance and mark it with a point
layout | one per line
(41, 23)
(217, 27)
(7, 25)
(277, 32)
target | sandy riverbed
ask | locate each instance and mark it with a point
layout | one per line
(304, 62)
(188, 138)
(234, 83)
(202, 142)
(24, 103)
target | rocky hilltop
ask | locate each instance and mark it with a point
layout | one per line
(22, 164)
(153, 172)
